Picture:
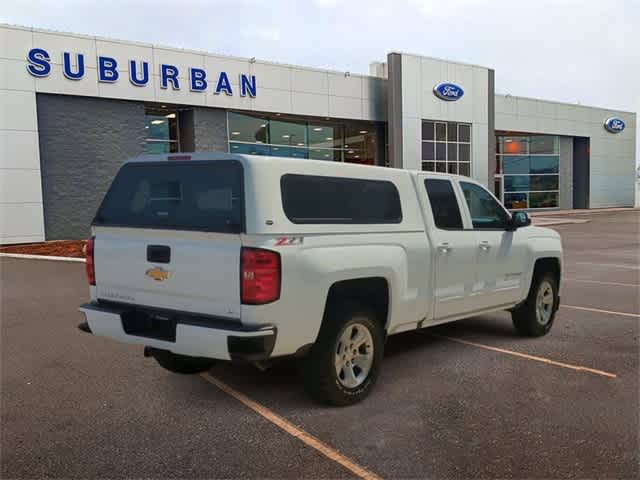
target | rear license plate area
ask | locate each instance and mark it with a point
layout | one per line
(144, 323)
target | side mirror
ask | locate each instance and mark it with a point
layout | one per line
(519, 219)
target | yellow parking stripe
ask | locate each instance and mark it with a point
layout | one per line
(529, 357)
(292, 430)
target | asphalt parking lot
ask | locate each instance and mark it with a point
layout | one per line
(464, 400)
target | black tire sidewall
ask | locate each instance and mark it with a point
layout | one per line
(320, 375)
(525, 318)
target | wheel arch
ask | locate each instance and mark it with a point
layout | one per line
(373, 292)
(547, 264)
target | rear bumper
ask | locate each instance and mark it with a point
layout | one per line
(178, 332)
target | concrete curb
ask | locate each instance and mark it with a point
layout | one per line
(586, 211)
(41, 257)
(565, 221)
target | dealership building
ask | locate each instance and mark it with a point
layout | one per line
(74, 107)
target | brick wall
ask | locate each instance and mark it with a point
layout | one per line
(83, 142)
(210, 129)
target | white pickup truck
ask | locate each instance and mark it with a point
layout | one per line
(213, 256)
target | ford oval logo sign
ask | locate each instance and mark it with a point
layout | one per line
(448, 91)
(614, 125)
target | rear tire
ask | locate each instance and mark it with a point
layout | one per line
(534, 318)
(343, 364)
(181, 363)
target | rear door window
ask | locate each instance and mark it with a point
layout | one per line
(444, 204)
(330, 200)
(205, 196)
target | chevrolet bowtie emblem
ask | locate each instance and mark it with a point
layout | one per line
(159, 274)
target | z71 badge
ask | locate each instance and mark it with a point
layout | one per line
(159, 274)
(288, 241)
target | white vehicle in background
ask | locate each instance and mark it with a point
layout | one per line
(213, 256)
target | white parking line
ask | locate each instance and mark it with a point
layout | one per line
(597, 310)
(612, 265)
(529, 357)
(617, 284)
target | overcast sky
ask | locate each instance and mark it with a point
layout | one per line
(582, 51)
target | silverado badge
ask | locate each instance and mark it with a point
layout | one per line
(159, 274)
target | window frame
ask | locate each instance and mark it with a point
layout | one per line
(430, 143)
(467, 209)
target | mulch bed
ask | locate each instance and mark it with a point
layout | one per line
(57, 248)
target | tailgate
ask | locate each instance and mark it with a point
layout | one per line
(197, 272)
(167, 234)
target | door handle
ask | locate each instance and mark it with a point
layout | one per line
(484, 246)
(444, 248)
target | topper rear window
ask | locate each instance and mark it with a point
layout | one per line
(177, 195)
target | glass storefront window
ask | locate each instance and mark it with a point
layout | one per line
(515, 201)
(446, 147)
(359, 144)
(288, 133)
(245, 128)
(161, 131)
(529, 169)
(544, 144)
(428, 151)
(541, 183)
(324, 154)
(325, 135)
(543, 199)
(277, 135)
(452, 152)
(428, 131)
(544, 164)
(515, 164)
(516, 183)
(464, 132)
(464, 152)
(513, 145)
(250, 148)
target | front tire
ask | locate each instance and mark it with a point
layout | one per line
(343, 364)
(534, 318)
(181, 363)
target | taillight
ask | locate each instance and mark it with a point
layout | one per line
(91, 267)
(259, 276)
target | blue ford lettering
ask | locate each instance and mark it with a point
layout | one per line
(74, 68)
(614, 124)
(448, 91)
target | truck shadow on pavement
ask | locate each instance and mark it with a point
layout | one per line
(281, 383)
